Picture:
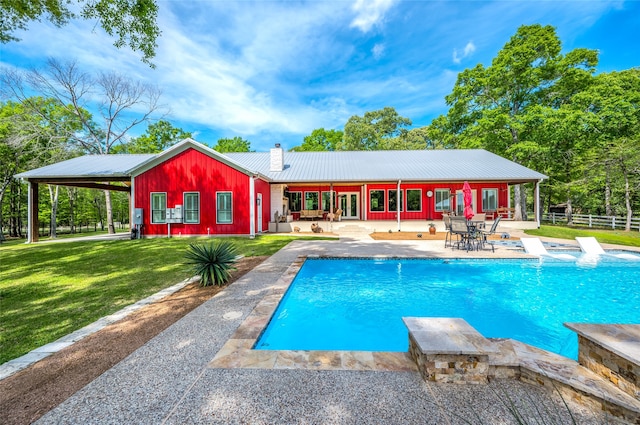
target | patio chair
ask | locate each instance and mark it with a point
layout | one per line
(446, 219)
(486, 233)
(465, 237)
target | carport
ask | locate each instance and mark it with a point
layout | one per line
(105, 172)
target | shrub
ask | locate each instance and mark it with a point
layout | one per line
(212, 262)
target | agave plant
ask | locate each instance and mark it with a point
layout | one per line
(212, 262)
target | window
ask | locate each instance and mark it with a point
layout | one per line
(376, 200)
(414, 200)
(326, 201)
(191, 213)
(224, 213)
(311, 201)
(393, 206)
(443, 202)
(158, 208)
(295, 201)
(489, 199)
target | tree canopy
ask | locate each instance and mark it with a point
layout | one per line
(320, 140)
(132, 22)
(235, 144)
(373, 129)
(158, 137)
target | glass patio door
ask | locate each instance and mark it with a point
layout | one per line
(349, 204)
(460, 201)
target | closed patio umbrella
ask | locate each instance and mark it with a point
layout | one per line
(468, 208)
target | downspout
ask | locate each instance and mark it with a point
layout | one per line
(252, 207)
(398, 201)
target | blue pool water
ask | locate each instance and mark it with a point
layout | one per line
(338, 304)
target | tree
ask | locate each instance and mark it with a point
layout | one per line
(369, 131)
(76, 91)
(32, 133)
(320, 140)
(612, 111)
(237, 144)
(133, 22)
(490, 107)
(158, 137)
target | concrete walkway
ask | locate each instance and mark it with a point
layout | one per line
(168, 380)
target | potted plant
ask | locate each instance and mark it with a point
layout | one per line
(432, 229)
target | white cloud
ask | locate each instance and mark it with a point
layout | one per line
(370, 13)
(378, 51)
(466, 52)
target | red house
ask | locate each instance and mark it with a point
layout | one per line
(190, 189)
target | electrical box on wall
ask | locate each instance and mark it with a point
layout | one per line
(174, 215)
(137, 216)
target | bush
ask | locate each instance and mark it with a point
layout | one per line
(212, 262)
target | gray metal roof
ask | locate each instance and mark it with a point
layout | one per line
(315, 167)
(92, 166)
(383, 166)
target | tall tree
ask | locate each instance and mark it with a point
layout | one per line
(133, 22)
(369, 131)
(612, 109)
(236, 144)
(158, 137)
(490, 106)
(320, 140)
(123, 104)
(31, 138)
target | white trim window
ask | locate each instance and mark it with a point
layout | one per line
(443, 200)
(191, 214)
(414, 200)
(158, 207)
(376, 200)
(224, 208)
(311, 201)
(392, 197)
(295, 201)
(489, 199)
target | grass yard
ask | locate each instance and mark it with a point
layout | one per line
(619, 237)
(50, 290)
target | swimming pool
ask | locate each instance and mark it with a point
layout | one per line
(357, 304)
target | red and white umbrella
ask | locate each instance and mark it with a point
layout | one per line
(468, 200)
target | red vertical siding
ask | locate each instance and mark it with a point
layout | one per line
(428, 211)
(193, 171)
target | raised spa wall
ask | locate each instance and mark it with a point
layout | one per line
(449, 350)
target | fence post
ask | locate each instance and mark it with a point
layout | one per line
(590, 223)
(613, 222)
(553, 218)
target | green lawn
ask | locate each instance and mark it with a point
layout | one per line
(603, 236)
(50, 290)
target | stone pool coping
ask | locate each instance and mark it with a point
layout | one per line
(506, 358)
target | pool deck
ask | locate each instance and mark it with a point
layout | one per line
(179, 377)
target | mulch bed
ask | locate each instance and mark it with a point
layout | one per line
(32, 392)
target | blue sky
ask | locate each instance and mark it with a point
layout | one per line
(272, 71)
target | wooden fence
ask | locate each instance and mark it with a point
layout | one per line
(589, 220)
